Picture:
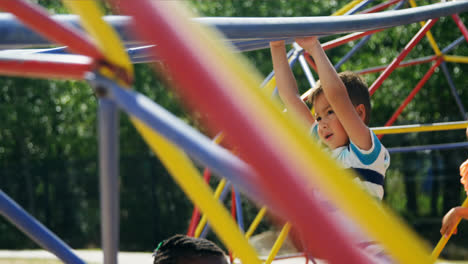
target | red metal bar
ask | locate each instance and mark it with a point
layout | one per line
(210, 89)
(46, 69)
(340, 41)
(460, 25)
(380, 7)
(310, 61)
(402, 64)
(31, 14)
(196, 211)
(413, 93)
(402, 55)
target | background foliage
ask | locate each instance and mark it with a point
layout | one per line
(48, 153)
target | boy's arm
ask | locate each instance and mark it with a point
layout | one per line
(337, 96)
(451, 218)
(287, 86)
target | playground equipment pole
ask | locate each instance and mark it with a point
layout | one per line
(35, 230)
(402, 55)
(29, 14)
(453, 89)
(46, 66)
(108, 120)
(413, 93)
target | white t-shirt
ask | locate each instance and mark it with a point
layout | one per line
(370, 164)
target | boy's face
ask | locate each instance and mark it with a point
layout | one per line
(330, 130)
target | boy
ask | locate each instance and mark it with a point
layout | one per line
(180, 249)
(342, 113)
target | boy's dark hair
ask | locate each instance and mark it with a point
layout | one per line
(184, 247)
(357, 90)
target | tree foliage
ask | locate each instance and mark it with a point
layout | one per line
(48, 150)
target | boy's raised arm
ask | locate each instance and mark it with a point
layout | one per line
(286, 83)
(337, 96)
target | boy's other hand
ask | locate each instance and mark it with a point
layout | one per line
(449, 221)
(276, 43)
(307, 42)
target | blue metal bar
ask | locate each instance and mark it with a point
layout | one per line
(14, 34)
(306, 69)
(222, 198)
(198, 146)
(108, 119)
(248, 27)
(352, 51)
(361, 42)
(453, 44)
(35, 230)
(239, 214)
(453, 90)
(428, 147)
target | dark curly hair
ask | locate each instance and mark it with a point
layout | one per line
(179, 247)
(357, 89)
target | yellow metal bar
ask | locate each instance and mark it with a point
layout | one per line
(458, 59)
(203, 220)
(180, 166)
(300, 152)
(444, 239)
(189, 179)
(420, 128)
(429, 35)
(278, 243)
(106, 38)
(255, 222)
(346, 8)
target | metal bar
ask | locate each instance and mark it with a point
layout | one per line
(449, 47)
(239, 214)
(402, 64)
(413, 93)
(453, 89)
(380, 7)
(420, 128)
(29, 14)
(244, 28)
(196, 211)
(146, 14)
(345, 39)
(461, 26)
(222, 197)
(306, 69)
(46, 65)
(108, 119)
(358, 7)
(198, 146)
(272, 73)
(458, 59)
(428, 147)
(359, 45)
(35, 230)
(429, 36)
(352, 51)
(402, 55)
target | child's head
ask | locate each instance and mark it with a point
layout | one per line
(184, 249)
(331, 131)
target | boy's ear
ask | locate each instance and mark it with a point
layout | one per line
(361, 110)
